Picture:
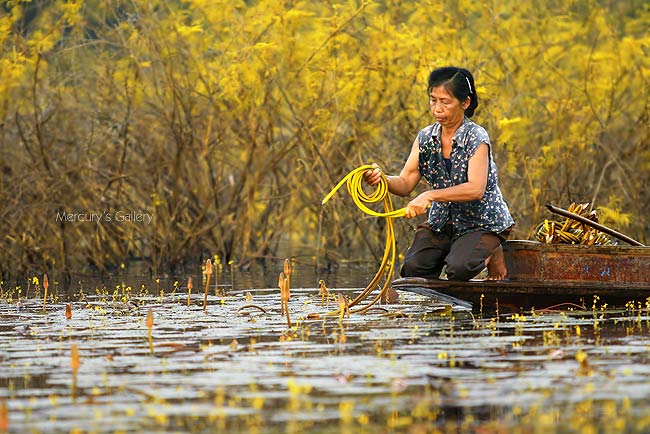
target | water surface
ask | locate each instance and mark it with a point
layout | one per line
(413, 366)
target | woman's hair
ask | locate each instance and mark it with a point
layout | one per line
(459, 82)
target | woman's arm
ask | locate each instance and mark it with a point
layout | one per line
(405, 182)
(473, 189)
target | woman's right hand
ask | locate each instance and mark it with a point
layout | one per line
(372, 177)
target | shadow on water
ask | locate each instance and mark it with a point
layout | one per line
(414, 366)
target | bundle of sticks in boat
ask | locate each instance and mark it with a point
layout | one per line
(569, 231)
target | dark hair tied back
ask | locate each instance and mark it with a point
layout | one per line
(459, 82)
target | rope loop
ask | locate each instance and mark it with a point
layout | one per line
(354, 181)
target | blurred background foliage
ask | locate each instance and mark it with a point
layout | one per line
(229, 121)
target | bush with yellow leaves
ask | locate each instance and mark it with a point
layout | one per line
(228, 121)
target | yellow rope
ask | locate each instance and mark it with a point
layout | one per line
(354, 181)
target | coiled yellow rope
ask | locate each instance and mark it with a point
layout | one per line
(354, 181)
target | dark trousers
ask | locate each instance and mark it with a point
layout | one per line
(465, 256)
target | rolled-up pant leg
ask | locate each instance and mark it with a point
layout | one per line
(468, 254)
(426, 255)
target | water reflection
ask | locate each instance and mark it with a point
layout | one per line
(138, 275)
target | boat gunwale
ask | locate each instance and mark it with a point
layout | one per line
(576, 248)
(522, 286)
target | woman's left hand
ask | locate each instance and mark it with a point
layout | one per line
(418, 205)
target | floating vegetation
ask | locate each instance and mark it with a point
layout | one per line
(251, 306)
(412, 366)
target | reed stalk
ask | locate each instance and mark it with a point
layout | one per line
(217, 262)
(323, 292)
(287, 271)
(344, 307)
(46, 285)
(189, 289)
(208, 273)
(281, 280)
(285, 294)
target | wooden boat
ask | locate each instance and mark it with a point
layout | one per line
(543, 275)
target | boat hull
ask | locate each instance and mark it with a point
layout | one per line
(542, 276)
(528, 260)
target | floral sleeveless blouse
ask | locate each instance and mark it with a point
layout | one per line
(487, 214)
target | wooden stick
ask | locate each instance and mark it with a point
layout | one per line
(594, 225)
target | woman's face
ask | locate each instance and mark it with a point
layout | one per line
(446, 108)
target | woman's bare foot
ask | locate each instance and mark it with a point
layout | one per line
(496, 265)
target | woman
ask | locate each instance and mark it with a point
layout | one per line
(468, 217)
